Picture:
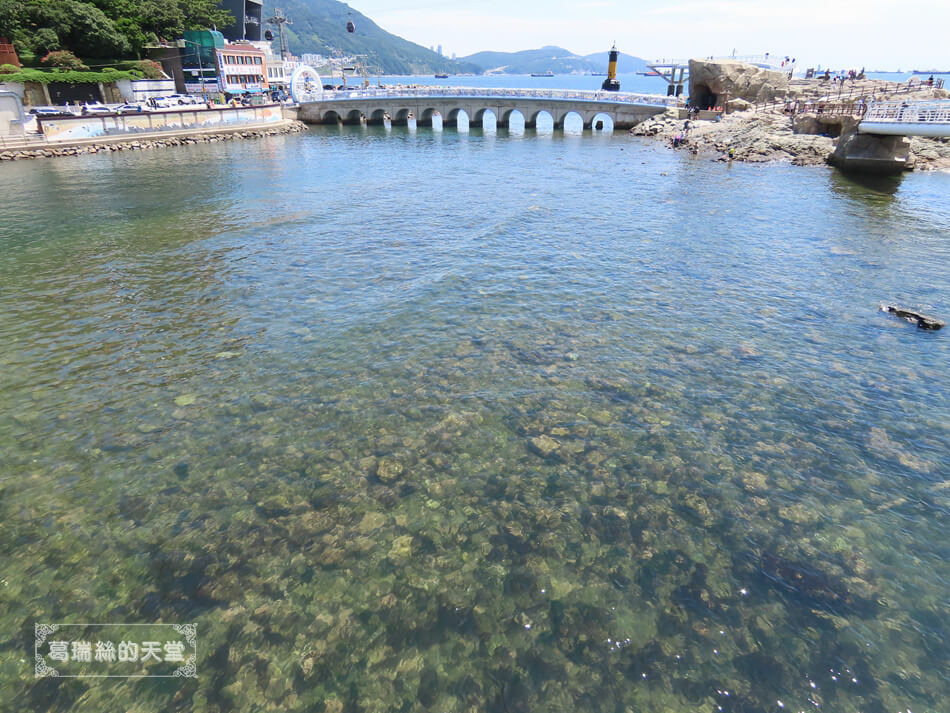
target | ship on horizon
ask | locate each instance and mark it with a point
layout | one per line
(549, 73)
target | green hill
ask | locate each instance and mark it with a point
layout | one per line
(554, 59)
(319, 26)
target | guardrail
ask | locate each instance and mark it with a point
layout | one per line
(811, 106)
(478, 93)
(936, 112)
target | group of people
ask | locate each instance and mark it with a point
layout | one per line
(681, 136)
(851, 74)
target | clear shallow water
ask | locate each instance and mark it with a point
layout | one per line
(477, 423)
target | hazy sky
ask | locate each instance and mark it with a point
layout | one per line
(910, 34)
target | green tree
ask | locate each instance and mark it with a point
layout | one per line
(204, 14)
(80, 26)
(44, 41)
(104, 28)
(11, 21)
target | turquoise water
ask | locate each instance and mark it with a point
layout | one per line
(477, 422)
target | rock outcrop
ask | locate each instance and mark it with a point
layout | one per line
(712, 82)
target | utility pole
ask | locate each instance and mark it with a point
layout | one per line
(280, 20)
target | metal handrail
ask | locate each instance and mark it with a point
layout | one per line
(933, 112)
(473, 92)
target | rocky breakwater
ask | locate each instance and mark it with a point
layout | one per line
(141, 143)
(754, 138)
(764, 137)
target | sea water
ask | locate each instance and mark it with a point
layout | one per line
(477, 422)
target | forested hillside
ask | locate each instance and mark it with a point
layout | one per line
(102, 28)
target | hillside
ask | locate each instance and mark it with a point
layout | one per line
(554, 59)
(319, 26)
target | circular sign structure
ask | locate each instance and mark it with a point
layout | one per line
(306, 85)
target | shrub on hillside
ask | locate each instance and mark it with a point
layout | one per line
(64, 60)
(149, 69)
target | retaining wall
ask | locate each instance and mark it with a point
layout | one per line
(100, 126)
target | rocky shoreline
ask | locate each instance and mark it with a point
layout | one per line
(770, 137)
(154, 141)
(763, 116)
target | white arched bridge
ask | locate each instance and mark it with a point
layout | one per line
(400, 104)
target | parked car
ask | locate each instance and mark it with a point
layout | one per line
(95, 109)
(129, 109)
(51, 112)
(174, 100)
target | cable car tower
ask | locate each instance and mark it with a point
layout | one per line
(279, 19)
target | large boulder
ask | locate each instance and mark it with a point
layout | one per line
(711, 82)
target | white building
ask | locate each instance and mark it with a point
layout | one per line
(313, 60)
(278, 73)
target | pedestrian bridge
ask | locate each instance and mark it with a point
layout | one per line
(399, 104)
(896, 118)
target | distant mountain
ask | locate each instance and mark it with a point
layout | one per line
(319, 26)
(554, 59)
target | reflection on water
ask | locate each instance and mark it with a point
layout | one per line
(866, 185)
(477, 422)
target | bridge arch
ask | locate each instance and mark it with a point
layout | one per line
(330, 117)
(427, 117)
(571, 121)
(377, 116)
(520, 120)
(602, 121)
(478, 119)
(456, 117)
(531, 118)
(353, 116)
(401, 116)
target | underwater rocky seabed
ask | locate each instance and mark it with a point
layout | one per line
(477, 423)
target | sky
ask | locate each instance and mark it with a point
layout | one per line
(910, 34)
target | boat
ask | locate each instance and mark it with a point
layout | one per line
(651, 73)
(441, 76)
(549, 73)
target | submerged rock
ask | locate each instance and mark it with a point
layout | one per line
(389, 470)
(922, 321)
(543, 445)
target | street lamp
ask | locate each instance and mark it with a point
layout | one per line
(201, 71)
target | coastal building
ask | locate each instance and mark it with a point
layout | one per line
(248, 19)
(278, 72)
(199, 66)
(313, 60)
(242, 68)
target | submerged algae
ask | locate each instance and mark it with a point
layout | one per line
(425, 501)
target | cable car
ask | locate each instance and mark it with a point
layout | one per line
(350, 27)
(268, 35)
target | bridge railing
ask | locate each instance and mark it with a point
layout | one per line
(478, 92)
(936, 112)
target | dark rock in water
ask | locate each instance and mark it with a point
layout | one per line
(922, 321)
(814, 585)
